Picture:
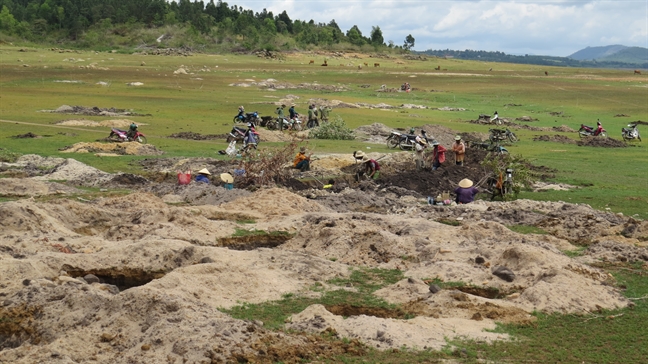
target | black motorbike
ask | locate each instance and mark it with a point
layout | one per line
(404, 141)
(248, 117)
(500, 135)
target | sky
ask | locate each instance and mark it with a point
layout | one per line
(518, 27)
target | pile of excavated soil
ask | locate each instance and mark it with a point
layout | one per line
(601, 142)
(93, 111)
(555, 138)
(143, 278)
(197, 136)
(107, 149)
(114, 123)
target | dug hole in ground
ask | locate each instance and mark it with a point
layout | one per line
(145, 277)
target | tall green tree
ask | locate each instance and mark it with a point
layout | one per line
(409, 42)
(377, 36)
(355, 36)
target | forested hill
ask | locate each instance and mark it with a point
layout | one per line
(539, 60)
(112, 23)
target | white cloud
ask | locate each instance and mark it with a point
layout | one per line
(551, 27)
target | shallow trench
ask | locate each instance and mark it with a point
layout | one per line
(123, 278)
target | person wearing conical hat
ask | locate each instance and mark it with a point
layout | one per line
(465, 192)
(203, 176)
(358, 155)
(371, 168)
(228, 179)
(459, 149)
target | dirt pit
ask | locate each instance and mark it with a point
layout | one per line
(148, 276)
(113, 149)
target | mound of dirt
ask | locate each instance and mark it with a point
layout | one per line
(139, 278)
(93, 111)
(22, 187)
(554, 138)
(25, 136)
(601, 142)
(129, 148)
(114, 123)
(197, 136)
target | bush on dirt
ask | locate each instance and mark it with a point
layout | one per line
(267, 167)
(8, 156)
(335, 129)
(523, 176)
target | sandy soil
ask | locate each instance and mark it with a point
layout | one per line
(145, 277)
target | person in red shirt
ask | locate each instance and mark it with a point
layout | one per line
(438, 155)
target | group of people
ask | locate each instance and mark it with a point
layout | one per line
(438, 155)
(315, 115)
(203, 176)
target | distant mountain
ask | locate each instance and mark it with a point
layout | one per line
(613, 53)
(625, 57)
(592, 53)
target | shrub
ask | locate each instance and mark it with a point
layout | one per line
(335, 129)
(267, 167)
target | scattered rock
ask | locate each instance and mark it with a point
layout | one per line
(91, 278)
(434, 288)
(504, 273)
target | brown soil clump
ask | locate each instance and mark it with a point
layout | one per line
(555, 138)
(601, 142)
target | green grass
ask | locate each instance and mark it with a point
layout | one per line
(526, 229)
(253, 232)
(616, 336)
(362, 283)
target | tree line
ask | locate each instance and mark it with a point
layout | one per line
(71, 19)
(488, 56)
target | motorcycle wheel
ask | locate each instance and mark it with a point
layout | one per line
(142, 139)
(392, 143)
(512, 138)
(297, 127)
(404, 146)
(271, 125)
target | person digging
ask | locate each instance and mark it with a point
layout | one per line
(370, 169)
(302, 161)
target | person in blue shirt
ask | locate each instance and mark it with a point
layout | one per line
(291, 112)
(203, 176)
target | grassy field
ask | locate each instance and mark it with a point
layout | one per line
(204, 102)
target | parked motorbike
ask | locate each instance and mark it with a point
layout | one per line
(393, 139)
(630, 133)
(587, 131)
(288, 124)
(118, 135)
(248, 117)
(404, 141)
(491, 147)
(408, 141)
(500, 135)
(248, 137)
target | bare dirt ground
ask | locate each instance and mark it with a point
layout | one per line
(145, 277)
